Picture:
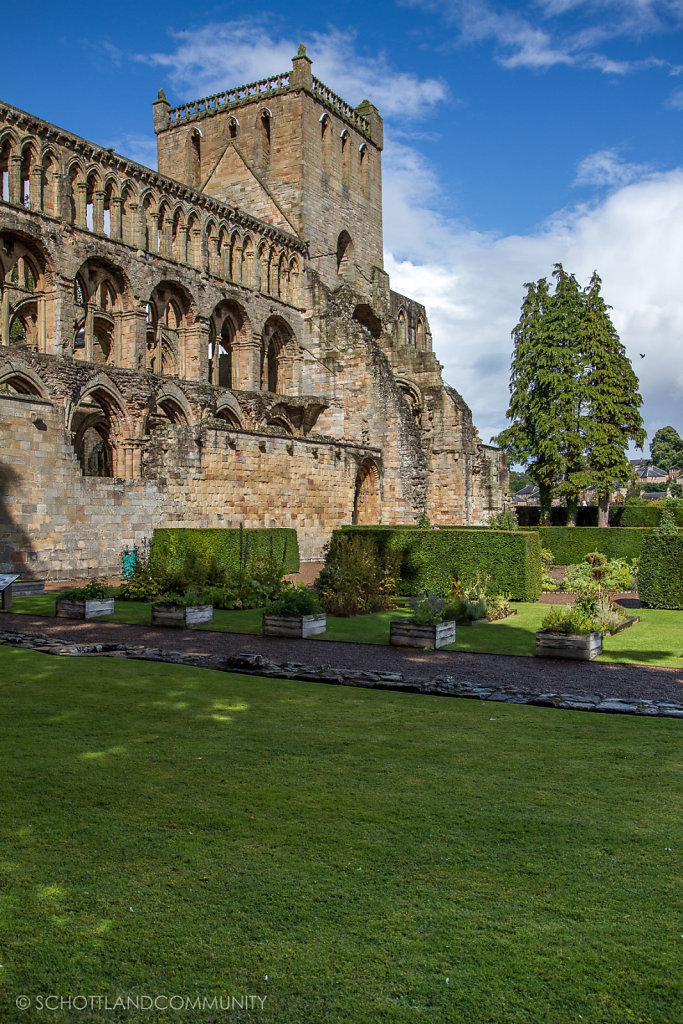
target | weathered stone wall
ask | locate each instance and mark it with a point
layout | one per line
(56, 523)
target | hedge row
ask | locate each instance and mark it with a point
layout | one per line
(633, 513)
(660, 577)
(208, 551)
(647, 513)
(429, 560)
(570, 544)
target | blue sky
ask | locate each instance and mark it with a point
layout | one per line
(517, 135)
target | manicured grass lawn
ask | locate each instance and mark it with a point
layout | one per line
(656, 640)
(355, 856)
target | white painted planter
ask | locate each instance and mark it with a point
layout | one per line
(180, 618)
(68, 608)
(299, 626)
(576, 646)
(406, 633)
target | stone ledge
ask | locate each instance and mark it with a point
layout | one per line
(439, 686)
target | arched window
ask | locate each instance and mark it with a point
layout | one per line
(248, 267)
(195, 157)
(27, 158)
(212, 249)
(326, 142)
(179, 238)
(265, 131)
(97, 423)
(420, 334)
(364, 170)
(194, 242)
(107, 210)
(278, 357)
(233, 127)
(129, 210)
(345, 264)
(167, 312)
(5, 154)
(293, 295)
(20, 307)
(94, 203)
(401, 328)
(228, 326)
(221, 354)
(345, 157)
(367, 505)
(96, 307)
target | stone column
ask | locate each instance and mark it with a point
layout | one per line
(193, 354)
(4, 318)
(98, 212)
(115, 220)
(36, 187)
(81, 201)
(15, 180)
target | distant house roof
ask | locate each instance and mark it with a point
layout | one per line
(654, 496)
(527, 489)
(645, 472)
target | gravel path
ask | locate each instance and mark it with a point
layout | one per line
(538, 674)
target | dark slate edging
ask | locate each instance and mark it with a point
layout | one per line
(439, 686)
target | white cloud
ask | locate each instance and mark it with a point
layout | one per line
(605, 167)
(140, 148)
(207, 60)
(473, 284)
(675, 100)
(541, 34)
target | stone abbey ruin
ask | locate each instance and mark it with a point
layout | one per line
(217, 343)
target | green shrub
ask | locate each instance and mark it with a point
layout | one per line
(95, 590)
(589, 614)
(189, 598)
(660, 575)
(429, 609)
(427, 561)
(139, 583)
(179, 558)
(618, 576)
(295, 600)
(355, 580)
(506, 520)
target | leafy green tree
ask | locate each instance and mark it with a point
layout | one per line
(666, 448)
(574, 396)
(518, 480)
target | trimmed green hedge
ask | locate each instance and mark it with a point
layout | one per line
(206, 550)
(429, 559)
(570, 544)
(660, 577)
(648, 513)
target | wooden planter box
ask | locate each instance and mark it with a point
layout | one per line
(406, 633)
(294, 625)
(578, 646)
(180, 618)
(68, 608)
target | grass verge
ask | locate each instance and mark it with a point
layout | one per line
(350, 855)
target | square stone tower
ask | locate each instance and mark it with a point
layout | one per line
(288, 151)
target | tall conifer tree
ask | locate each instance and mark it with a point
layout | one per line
(574, 396)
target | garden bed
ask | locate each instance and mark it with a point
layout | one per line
(73, 608)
